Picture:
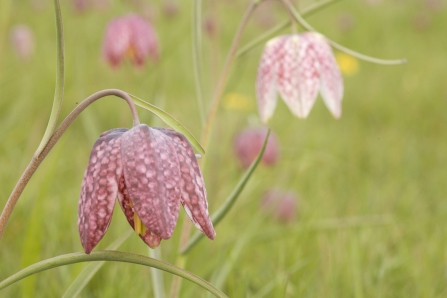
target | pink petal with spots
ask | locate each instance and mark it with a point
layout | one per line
(149, 238)
(151, 176)
(298, 77)
(99, 188)
(330, 74)
(192, 185)
(266, 81)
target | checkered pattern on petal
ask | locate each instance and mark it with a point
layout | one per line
(152, 176)
(192, 185)
(330, 74)
(266, 81)
(99, 188)
(298, 78)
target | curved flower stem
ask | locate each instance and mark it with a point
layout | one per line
(275, 30)
(60, 81)
(307, 26)
(224, 75)
(37, 159)
(104, 255)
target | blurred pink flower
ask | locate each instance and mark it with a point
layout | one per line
(80, 5)
(151, 171)
(248, 143)
(298, 66)
(22, 40)
(170, 8)
(130, 36)
(281, 204)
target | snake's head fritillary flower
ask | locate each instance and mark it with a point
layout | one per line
(298, 66)
(130, 37)
(280, 204)
(151, 171)
(248, 143)
(22, 40)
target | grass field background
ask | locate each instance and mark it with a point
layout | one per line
(372, 185)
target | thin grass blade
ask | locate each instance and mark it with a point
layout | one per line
(90, 270)
(229, 202)
(60, 81)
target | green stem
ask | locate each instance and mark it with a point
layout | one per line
(281, 26)
(307, 26)
(197, 54)
(224, 75)
(60, 81)
(37, 160)
(115, 256)
(157, 276)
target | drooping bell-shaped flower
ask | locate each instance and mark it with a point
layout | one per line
(298, 66)
(248, 143)
(280, 204)
(151, 171)
(130, 37)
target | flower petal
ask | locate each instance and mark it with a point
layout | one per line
(99, 188)
(123, 198)
(116, 41)
(330, 74)
(144, 39)
(266, 89)
(298, 76)
(151, 176)
(192, 185)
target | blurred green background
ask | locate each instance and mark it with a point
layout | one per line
(373, 206)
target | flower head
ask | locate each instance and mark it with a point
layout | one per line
(248, 143)
(281, 204)
(298, 66)
(130, 36)
(151, 171)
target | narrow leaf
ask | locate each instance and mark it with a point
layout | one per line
(104, 255)
(60, 81)
(90, 270)
(229, 202)
(169, 120)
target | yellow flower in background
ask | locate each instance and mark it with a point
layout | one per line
(348, 64)
(238, 101)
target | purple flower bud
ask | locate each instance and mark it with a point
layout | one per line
(298, 66)
(151, 171)
(281, 204)
(22, 40)
(248, 143)
(130, 37)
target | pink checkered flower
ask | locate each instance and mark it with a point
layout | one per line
(298, 66)
(130, 36)
(248, 143)
(151, 171)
